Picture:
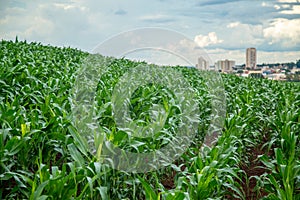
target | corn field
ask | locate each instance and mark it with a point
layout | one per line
(257, 155)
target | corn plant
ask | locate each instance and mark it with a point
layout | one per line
(43, 154)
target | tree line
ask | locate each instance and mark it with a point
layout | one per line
(290, 65)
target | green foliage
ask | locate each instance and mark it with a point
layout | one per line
(42, 155)
(255, 75)
(298, 64)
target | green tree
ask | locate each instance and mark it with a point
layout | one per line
(298, 64)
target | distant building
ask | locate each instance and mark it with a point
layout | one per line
(225, 65)
(202, 64)
(251, 58)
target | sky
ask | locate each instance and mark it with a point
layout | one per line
(223, 28)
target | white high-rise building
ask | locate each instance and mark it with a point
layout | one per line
(251, 58)
(202, 64)
(225, 65)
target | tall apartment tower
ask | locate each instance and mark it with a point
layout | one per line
(202, 64)
(225, 65)
(251, 58)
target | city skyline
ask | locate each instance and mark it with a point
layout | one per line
(224, 29)
(227, 65)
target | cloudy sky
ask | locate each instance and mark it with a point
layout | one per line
(224, 28)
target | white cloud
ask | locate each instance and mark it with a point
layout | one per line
(17, 23)
(47, 22)
(70, 6)
(40, 27)
(206, 40)
(159, 18)
(85, 23)
(295, 10)
(288, 1)
(266, 4)
(152, 17)
(242, 35)
(282, 6)
(286, 6)
(233, 24)
(283, 31)
(277, 7)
